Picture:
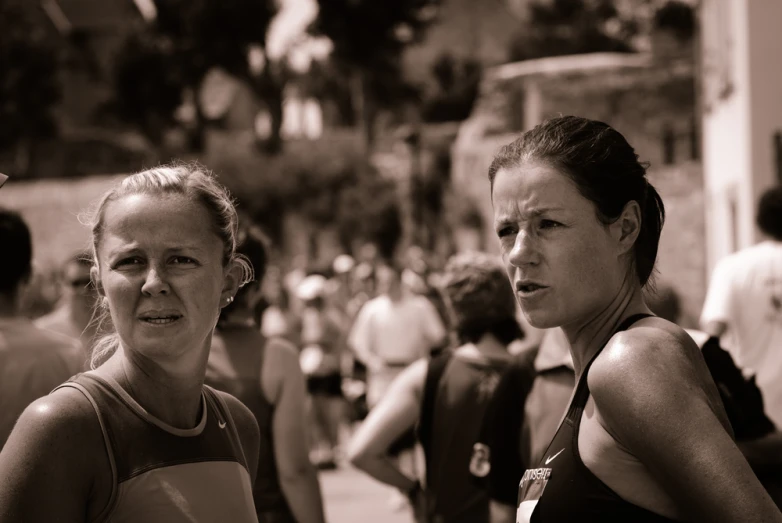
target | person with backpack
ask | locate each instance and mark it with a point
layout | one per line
(446, 397)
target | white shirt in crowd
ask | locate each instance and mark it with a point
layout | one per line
(745, 294)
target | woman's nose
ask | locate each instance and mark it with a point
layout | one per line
(524, 250)
(155, 282)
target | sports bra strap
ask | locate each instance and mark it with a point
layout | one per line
(582, 390)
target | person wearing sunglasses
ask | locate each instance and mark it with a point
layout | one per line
(74, 314)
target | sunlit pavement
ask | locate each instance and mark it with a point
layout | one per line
(352, 497)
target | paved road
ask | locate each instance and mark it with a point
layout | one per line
(352, 497)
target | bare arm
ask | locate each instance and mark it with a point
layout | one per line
(247, 428)
(284, 385)
(396, 413)
(53, 466)
(649, 391)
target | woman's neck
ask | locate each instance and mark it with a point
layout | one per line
(172, 397)
(588, 337)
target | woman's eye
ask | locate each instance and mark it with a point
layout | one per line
(179, 260)
(549, 224)
(125, 262)
(505, 231)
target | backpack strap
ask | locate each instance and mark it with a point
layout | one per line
(434, 374)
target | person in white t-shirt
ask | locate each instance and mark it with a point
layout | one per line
(743, 306)
(392, 331)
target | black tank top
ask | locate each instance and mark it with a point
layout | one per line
(562, 489)
(235, 365)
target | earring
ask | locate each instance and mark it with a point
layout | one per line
(230, 299)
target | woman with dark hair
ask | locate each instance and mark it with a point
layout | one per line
(264, 374)
(445, 397)
(646, 437)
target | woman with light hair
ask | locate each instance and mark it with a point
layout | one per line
(140, 438)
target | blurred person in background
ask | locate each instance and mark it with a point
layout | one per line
(140, 438)
(322, 338)
(264, 374)
(756, 435)
(276, 319)
(446, 397)
(33, 361)
(74, 315)
(743, 306)
(391, 331)
(522, 416)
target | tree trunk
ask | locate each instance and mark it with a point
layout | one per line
(363, 109)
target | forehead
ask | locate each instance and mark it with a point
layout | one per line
(531, 188)
(170, 220)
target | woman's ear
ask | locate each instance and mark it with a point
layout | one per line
(628, 226)
(233, 279)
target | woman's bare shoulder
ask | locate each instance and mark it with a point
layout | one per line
(652, 366)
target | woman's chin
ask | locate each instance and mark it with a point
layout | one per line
(541, 319)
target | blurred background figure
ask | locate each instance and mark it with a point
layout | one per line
(276, 317)
(756, 434)
(521, 418)
(264, 374)
(75, 313)
(743, 306)
(391, 331)
(33, 361)
(321, 335)
(446, 397)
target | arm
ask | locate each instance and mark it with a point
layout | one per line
(283, 383)
(247, 428)
(396, 413)
(52, 462)
(501, 513)
(649, 390)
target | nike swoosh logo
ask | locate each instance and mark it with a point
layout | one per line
(550, 459)
(221, 424)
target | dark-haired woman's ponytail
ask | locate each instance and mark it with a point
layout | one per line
(653, 218)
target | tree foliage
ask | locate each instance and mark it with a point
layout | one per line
(29, 66)
(564, 27)
(369, 38)
(458, 82)
(174, 53)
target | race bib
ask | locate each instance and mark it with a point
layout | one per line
(531, 489)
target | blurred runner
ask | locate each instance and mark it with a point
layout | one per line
(263, 373)
(446, 397)
(74, 314)
(33, 361)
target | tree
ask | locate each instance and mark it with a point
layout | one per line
(29, 88)
(369, 37)
(458, 82)
(564, 27)
(188, 39)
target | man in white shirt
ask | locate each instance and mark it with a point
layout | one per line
(392, 331)
(743, 306)
(33, 361)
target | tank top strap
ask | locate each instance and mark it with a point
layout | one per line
(581, 396)
(223, 414)
(92, 390)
